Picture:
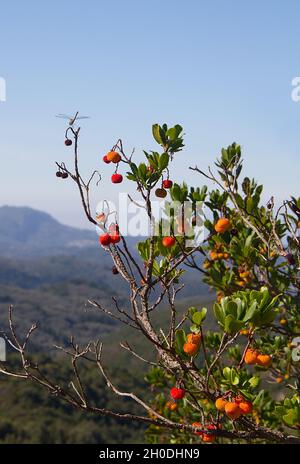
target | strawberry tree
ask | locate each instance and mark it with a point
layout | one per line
(240, 381)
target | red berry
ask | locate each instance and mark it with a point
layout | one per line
(64, 175)
(177, 393)
(58, 174)
(167, 183)
(115, 270)
(68, 142)
(168, 242)
(105, 239)
(106, 160)
(115, 238)
(116, 178)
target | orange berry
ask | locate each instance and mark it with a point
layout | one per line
(250, 356)
(282, 321)
(241, 283)
(279, 379)
(194, 338)
(226, 256)
(286, 376)
(113, 156)
(220, 404)
(222, 225)
(245, 274)
(232, 410)
(214, 255)
(263, 360)
(246, 407)
(190, 348)
(244, 332)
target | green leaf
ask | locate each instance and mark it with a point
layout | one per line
(227, 373)
(199, 316)
(156, 133)
(164, 161)
(254, 381)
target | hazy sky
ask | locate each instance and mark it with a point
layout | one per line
(221, 69)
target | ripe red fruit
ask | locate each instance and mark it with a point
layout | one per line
(106, 160)
(167, 183)
(168, 242)
(105, 239)
(246, 407)
(177, 393)
(116, 178)
(68, 142)
(115, 238)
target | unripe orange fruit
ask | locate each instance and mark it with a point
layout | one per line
(232, 410)
(222, 225)
(244, 332)
(220, 404)
(250, 356)
(264, 360)
(246, 407)
(113, 156)
(244, 274)
(190, 348)
(194, 338)
(214, 255)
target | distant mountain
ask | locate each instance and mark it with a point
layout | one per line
(28, 233)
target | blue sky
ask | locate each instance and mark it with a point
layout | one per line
(221, 69)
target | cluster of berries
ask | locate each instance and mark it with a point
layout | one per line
(62, 174)
(162, 192)
(234, 408)
(111, 237)
(254, 357)
(218, 252)
(206, 437)
(192, 345)
(114, 157)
